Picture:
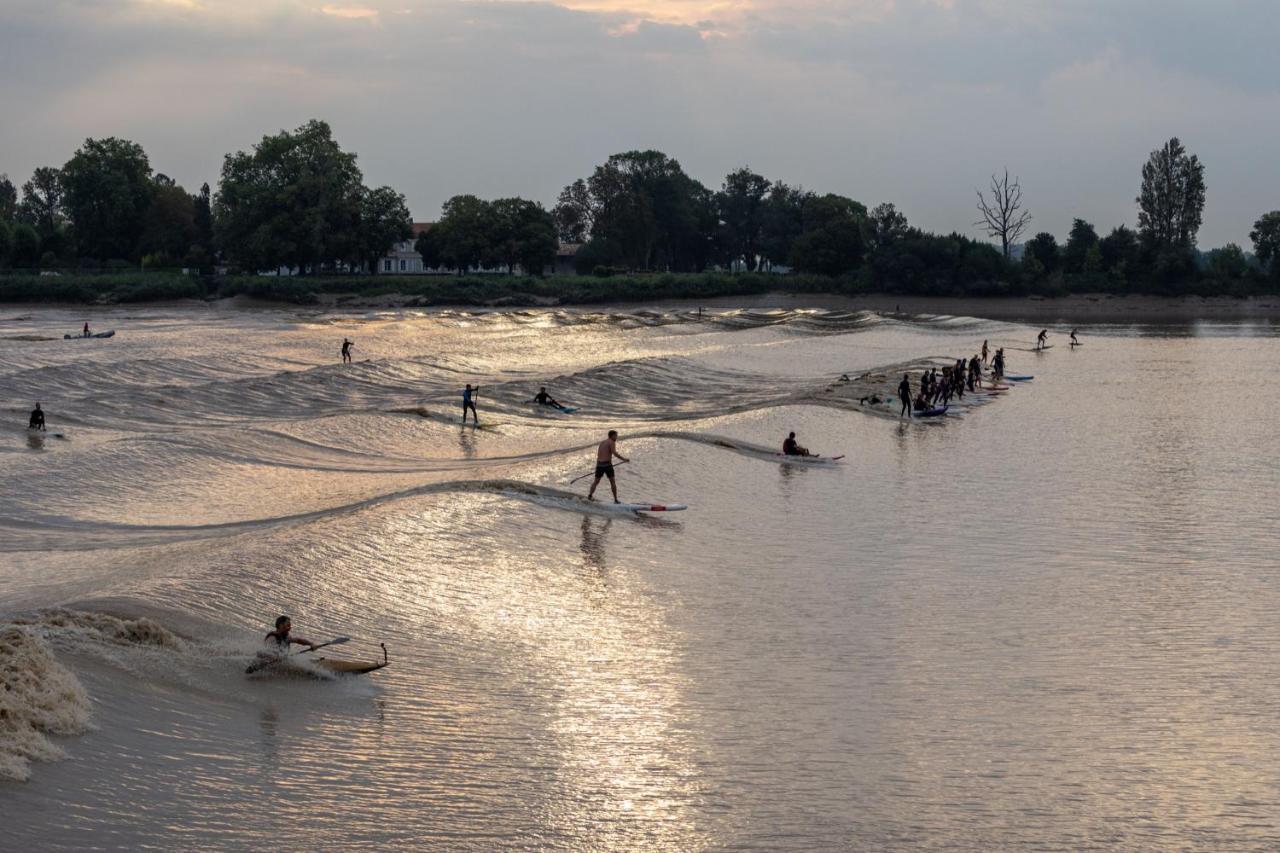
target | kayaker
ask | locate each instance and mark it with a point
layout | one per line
(1042, 338)
(346, 350)
(469, 402)
(542, 398)
(37, 418)
(904, 394)
(280, 639)
(605, 452)
(791, 447)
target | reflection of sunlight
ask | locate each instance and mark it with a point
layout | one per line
(603, 655)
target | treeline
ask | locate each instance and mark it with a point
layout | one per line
(296, 201)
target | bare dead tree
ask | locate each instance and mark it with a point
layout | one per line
(1002, 213)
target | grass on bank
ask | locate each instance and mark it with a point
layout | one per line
(516, 291)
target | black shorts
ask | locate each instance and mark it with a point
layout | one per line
(604, 469)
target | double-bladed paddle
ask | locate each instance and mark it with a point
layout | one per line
(264, 662)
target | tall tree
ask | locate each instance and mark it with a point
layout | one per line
(1266, 241)
(108, 189)
(1082, 240)
(293, 201)
(384, 221)
(1171, 203)
(8, 199)
(1044, 248)
(168, 229)
(741, 203)
(26, 245)
(832, 241)
(886, 226)
(783, 221)
(1003, 216)
(6, 242)
(574, 213)
(43, 203)
(463, 238)
(523, 235)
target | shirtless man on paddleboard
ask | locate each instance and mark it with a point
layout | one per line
(604, 465)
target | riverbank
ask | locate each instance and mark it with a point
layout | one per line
(710, 291)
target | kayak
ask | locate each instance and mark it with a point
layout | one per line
(1012, 378)
(788, 458)
(936, 411)
(337, 666)
(95, 335)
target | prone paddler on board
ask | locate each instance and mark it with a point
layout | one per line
(605, 452)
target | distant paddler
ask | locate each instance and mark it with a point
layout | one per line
(542, 398)
(791, 447)
(904, 394)
(1042, 339)
(86, 329)
(37, 418)
(1074, 341)
(469, 395)
(605, 452)
(346, 350)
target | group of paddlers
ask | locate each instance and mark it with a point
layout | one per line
(938, 387)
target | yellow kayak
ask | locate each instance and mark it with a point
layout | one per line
(338, 666)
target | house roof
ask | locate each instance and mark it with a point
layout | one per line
(568, 250)
(422, 227)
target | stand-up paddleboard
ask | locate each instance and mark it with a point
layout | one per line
(637, 507)
(568, 410)
(1013, 378)
(1043, 348)
(45, 433)
(1077, 344)
(108, 334)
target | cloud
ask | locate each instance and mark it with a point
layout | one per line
(912, 101)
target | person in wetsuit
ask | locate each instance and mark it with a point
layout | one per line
(1042, 339)
(1073, 338)
(791, 447)
(86, 330)
(279, 640)
(604, 465)
(904, 394)
(469, 402)
(984, 352)
(37, 418)
(542, 398)
(346, 350)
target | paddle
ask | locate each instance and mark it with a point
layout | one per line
(585, 476)
(264, 662)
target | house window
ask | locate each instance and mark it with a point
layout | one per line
(386, 265)
(403, 267)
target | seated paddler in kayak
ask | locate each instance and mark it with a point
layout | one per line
(791, 447)
(542, 398)
(278, 641)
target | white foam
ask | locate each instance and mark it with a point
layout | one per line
(40, 697)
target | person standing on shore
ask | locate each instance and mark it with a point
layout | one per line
(469, 395)
(346, 350)
(904, 394)
(605, 452)
(984, 352)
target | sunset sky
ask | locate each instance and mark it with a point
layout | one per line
(910, 101)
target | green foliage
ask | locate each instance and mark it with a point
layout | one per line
(26, 245)
(169, 226)
(1266, 241)
(295, 201)
(783, 222)
(1082, 240)
(43, 201)
(6, 242)
(832, 241)
(1227, 263)
(462, 239)
(1171, 202)
(8, 199)
(77, 288)
(741, 209)
(108, 188)
(600, 254)
(1044, 248)
(885, 226)
(384, 221)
